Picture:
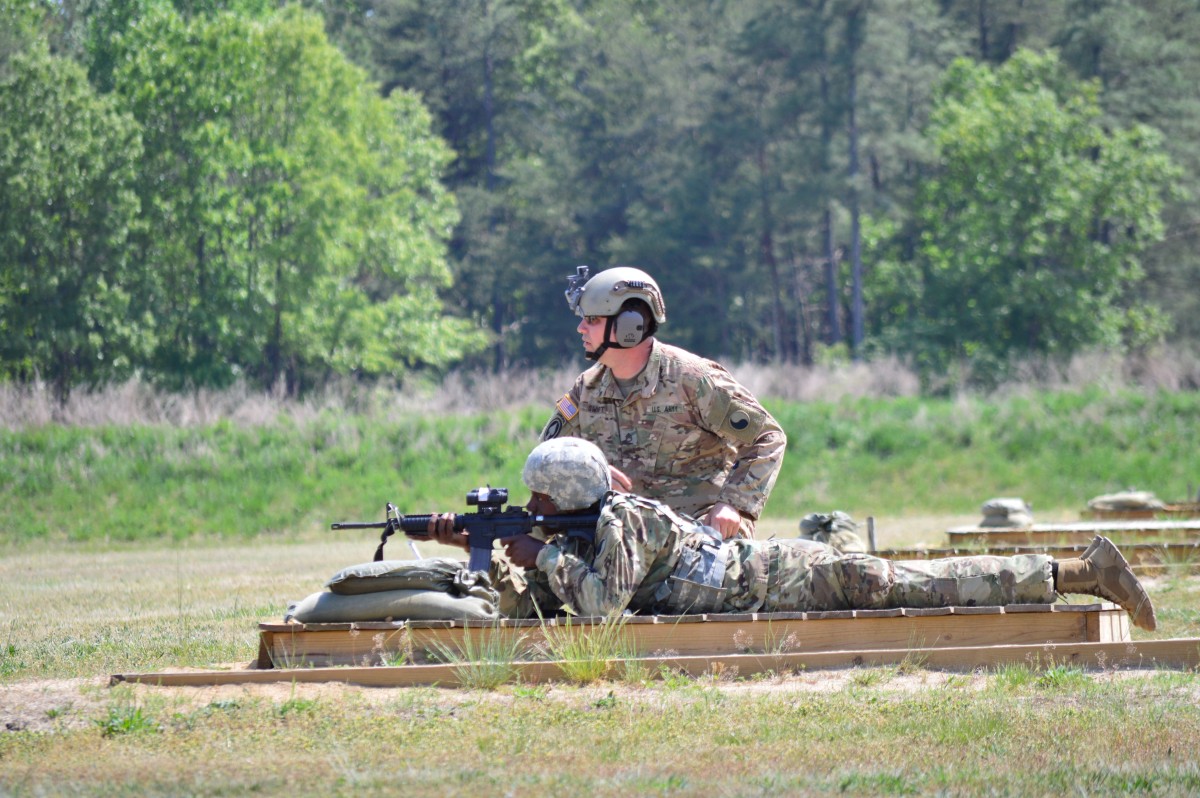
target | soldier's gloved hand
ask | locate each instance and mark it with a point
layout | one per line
(620, 481)
(522, 550)
(725, 519)
(441, 530)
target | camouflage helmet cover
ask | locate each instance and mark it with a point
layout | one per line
(604, 294)
(571, 471)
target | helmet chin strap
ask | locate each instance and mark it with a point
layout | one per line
(607, 344)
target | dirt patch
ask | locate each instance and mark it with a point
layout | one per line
(61, 704)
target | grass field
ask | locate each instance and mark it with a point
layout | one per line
(73, 618)
(140, 545)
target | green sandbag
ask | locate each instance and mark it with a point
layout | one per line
(390, 605)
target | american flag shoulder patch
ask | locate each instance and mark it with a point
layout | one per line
(566, 407)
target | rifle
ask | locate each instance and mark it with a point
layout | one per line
(489, 523)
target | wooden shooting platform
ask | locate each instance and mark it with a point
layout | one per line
(1168, 511)
(322, 645)
(1122, 533)
(953, 638)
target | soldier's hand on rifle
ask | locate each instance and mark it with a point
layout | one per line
(441, 530)
(620, 481)
(522, 550)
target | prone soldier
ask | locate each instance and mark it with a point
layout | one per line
(646, 558)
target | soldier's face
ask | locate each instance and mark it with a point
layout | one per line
(541, 504)
(591, 329)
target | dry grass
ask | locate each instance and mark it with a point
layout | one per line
(134, 402)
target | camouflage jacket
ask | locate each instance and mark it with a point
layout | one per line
(688, 433)
(634, 551)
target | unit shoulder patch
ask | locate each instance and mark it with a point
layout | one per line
(743, 421)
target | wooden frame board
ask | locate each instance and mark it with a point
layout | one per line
(1183, 653)
(294, 645)
(1170, 510)
(1146, 558)
(1120, 532)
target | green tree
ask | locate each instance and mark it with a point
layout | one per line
(298, 222)
(1030, 226)
(67, 209)
(1144, 57)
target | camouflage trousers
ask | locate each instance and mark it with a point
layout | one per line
(787, 576)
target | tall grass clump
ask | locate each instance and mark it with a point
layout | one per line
(485, 658)
(589, 653)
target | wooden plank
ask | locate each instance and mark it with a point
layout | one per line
(1147, 558)
(1169, 510)
(1150, 654)
(324, 645)
(1122, 533)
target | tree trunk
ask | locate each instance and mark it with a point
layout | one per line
(499, 303)
(767, 249)
(853, 42)
(834, 327)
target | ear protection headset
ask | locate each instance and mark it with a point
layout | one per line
(625, 330)
(629, 328)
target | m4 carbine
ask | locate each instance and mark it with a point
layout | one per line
(491, 522)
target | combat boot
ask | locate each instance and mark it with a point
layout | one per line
(1102, 571)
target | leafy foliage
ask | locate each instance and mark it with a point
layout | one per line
(1029, 230)
(67, 211)
(313, 239)
(789, 172)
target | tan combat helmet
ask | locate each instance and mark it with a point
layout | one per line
(604, 294)
(571, 471)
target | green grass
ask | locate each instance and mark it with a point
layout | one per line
(72, 618)
(142, 548)
(587, 654)
(486, 658)
(884, 457)
(1103, 736)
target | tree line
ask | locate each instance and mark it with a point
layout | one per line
(197, 192)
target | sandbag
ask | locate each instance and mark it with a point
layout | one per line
(389, 605)
(1007, 512)
(1127, 500)
(443, 574)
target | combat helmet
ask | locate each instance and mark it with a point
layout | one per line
(628, 300)
(571, 471)
(606, 293)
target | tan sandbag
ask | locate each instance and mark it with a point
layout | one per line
(1127, 500)
(389, 605)
(1007, 512)
(445, 574)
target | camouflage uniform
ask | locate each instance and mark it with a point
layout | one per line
(640, 544)
(688, 433)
